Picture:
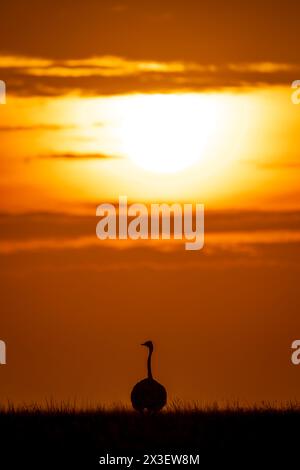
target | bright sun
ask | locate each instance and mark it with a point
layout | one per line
(167, 133)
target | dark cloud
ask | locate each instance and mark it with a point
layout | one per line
(36, 127)
(58, 225)
(79, 156)
(20, 82)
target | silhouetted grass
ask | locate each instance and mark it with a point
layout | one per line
(64, 434)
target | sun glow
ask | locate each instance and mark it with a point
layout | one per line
(208, 146)
(167, 133)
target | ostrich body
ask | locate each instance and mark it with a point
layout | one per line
(148, 393)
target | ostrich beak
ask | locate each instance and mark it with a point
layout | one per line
(143, 344)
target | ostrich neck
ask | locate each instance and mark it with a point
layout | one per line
(149, 365)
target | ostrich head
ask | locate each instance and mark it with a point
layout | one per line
(148, 344)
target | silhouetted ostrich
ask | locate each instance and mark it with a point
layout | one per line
(148, 393)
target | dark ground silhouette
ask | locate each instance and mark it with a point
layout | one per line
(74, 439)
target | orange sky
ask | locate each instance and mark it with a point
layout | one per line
(159, 101)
